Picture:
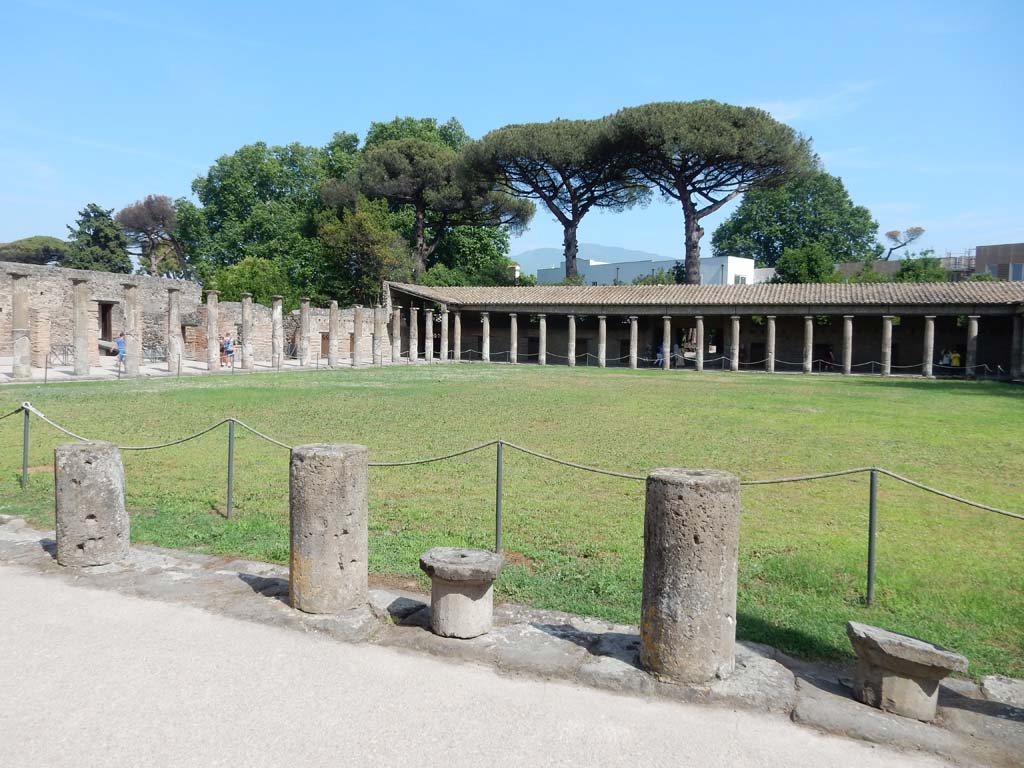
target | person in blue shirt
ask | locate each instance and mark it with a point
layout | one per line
(229, 350)
(120, 350)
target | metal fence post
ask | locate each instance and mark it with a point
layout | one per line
(231, 465)
(24, 450)
(497, 499)
(872, 523)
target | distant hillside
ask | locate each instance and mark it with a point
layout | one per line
(542, 258)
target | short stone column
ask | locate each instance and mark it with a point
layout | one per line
(457, 337)
(632, 341)
(972, 346)
(666, 342)
(248, 361)
(928, 350)
(21, 363)
(691, 543)
(428, 335)
(92, 524)
(303, 331)
(571, 350)
(485, 343)
(898, 673)
(513, 338)
(333, 331)
(769, 347)
(1017, 348)
(443, 351)
(699, 362)
(357, 335)
(277, 331)
(80, 308)
(847, 344)
(886, 345)
(396, 334)
(328, 501)
(734, 343)
(808, 343)
(542, 351)
(174, 340)
(461, 590)
(378, 335)
(132, 322)
(212, 332)
(414, 335)
(602, 341)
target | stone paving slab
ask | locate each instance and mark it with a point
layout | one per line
(976, 725)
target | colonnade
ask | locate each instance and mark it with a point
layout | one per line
(733, 328)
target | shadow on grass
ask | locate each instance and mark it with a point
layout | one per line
(948, 386)
(788, 640)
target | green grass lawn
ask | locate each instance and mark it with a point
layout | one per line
(946, 572)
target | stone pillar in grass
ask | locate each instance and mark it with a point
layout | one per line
(699, 362)
(248, 361)
(847, 344)
(808, 343)
(632, 341)
(691, 537)
(428, 335)
(277, 330)
(457, 337)
(769, 347)
(972, 346)
(92, 524)
(378, 335)
(357, 335)
(571, 352)
(396, 334)
(132, 329)
(485, 344)
(734, 343)
(80, 307)
(21, 362)
(333, 331)
(414, 331)
(212, 332)
(303, 344)
(542, 352)
(328, 505)
(602, 341)
(443, 352)
(928, 350)
(513, 338)
(174, 340)
(666, 342)
(886, 344)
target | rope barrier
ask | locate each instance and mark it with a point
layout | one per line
(260, 434)
(799, 478)
(172, 442)
(573, 464)
(16, 410)
(488, 444)
(26, 406)
(949, 496)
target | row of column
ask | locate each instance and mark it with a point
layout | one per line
(928, 349)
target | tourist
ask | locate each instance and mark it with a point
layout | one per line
(658, 359)
(120, 350)
(954, 359)
(220, 346)
(229, 350)
(944, 359)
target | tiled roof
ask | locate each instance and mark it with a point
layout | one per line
(759, 294)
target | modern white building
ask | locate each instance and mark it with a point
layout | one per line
(715, 270)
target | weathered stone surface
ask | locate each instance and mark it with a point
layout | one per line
(691, 536)
(898, 673)
(92, 524)
(394, 606)
(1007, 690)
(329, 504)
(460, 564)
(525, 648)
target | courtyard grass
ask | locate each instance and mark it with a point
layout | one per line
(946, 572)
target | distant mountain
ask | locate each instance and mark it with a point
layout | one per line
(542, 258)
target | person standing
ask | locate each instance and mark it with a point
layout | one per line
(229, 349)
(120, 351)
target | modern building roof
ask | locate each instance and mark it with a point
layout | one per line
(716, 298)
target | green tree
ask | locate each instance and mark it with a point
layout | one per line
(704, 154)
(151, 226)
(813, 208)
(39, 249)
(808, 264)
(921, 268)
(472, 256)
(868, 274)
(571, 166)
(901, 239)
(263, 278)
(426, 176)
(657, 277)
(361, 249)
(98, 242)
(450, 134)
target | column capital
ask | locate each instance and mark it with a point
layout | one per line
(808, 317)
(333, 304)
(305, 300)
(396, 307)
(602, 317)
(888, 317)
(457, 313)
(485, 314)
(542, 316)
(847, 317)
(929, 317)
(211, 294)
(78, 281)
(770, 317)
(513, 315)
(974, 317)
(734, 317)
(699, 317)
(444, 310)
(666, 317)
(277, 297)
(571, 316)
(244, 295)
(633, 318)
(17, 274)
(428, 310)
(175, 289)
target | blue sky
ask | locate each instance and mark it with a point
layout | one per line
(917, 106)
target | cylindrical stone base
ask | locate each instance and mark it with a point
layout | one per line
(691, 538)
(462, 610)
(92, 524)
(329, 504)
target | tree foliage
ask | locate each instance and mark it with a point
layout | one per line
(571, 166)
(704, 154)
(261, 277)
(450, 134)
(921, 268)
(472, 256)
(901, 239)
(812, 208)
(39, 249)
(97, 242)
(151, 226)
(657, 277)
(807, 264)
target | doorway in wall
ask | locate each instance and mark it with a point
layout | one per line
(106, 321)
(323, 344)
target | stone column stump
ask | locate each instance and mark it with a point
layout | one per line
(691, 537)
(900, 674)
(328, 505)
(92, 524)
(461, 590)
